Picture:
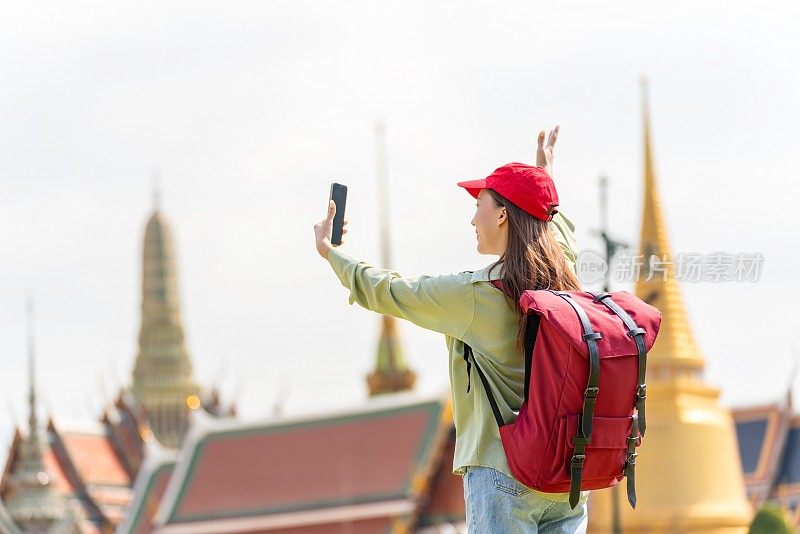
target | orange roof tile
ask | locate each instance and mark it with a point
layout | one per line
(95, 459)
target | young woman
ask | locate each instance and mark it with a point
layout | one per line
(516, 219)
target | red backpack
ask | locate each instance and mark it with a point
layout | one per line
(585, 360)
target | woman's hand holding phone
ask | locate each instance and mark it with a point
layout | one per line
(324, 230)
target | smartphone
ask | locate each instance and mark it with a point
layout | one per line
(339, 196)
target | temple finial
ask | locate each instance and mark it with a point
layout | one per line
(156, 179)
(675, 351)
(382, 171)
(391, 371)
(33, 421)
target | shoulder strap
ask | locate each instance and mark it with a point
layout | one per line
(499, 285)
(584, 436)
(492, 402)
(639, 424)
(531, 332)
(637, 333)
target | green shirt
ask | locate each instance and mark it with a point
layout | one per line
(466, 308)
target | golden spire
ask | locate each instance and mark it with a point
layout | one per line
(391, 371)
(675, 351)
(162, 378)
(688, 472)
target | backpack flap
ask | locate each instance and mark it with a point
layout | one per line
(616, 341)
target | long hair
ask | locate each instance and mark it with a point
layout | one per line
(533, 259)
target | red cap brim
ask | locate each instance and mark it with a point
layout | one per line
(474, 186)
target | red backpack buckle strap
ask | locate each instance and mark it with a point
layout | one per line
(584, 436)
(637, 333)
(630, 462)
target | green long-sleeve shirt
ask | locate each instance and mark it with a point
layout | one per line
(466, 308)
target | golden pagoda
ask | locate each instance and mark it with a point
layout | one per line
(391, 372)
(688, 473)
(162, 377)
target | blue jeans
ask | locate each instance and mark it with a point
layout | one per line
(497, 503)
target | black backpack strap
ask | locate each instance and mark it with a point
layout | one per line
(630, 461)
(492, 402)
(467, 352)
(637, 333)
(584, 436)
(531, 331)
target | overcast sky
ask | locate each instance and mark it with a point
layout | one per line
(250, 110)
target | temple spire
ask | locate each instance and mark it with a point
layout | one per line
(33, 421)
(162, 378)
(33, 503)
(690, 435)
(391, 371)
(675, 351)
(156, 177)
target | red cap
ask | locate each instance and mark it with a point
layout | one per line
(527, 187)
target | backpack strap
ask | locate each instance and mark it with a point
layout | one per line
(639, 423)
(492, 402)
(467, 353)
(584, 436)
(630, 461)
(499, 285)
(637, 333)
(531, 331)
(469, 357)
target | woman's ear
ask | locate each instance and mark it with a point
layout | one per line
(502, 217)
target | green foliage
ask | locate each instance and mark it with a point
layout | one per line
(770, 519)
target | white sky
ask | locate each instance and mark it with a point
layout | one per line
(251, 111)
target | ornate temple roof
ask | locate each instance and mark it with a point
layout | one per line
(445, 505)
(769, 446)
(149, 489)
(32, 487)
(371, 467)
(7, 524)
(84, 470)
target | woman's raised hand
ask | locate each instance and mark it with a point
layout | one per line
(544, 153)
(323, 231)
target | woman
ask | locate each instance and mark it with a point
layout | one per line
(516, 219)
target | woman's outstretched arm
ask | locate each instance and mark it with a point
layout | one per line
(443, 303)
(563, 229)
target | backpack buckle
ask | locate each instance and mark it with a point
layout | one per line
(641, 391)
(631, 460)
(593, 335)
(578, 459)
(591, 393)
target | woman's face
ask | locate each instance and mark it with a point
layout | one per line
(490, 222)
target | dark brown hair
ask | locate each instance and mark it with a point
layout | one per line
(533, 259)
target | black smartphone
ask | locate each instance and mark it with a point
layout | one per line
(339, 196)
